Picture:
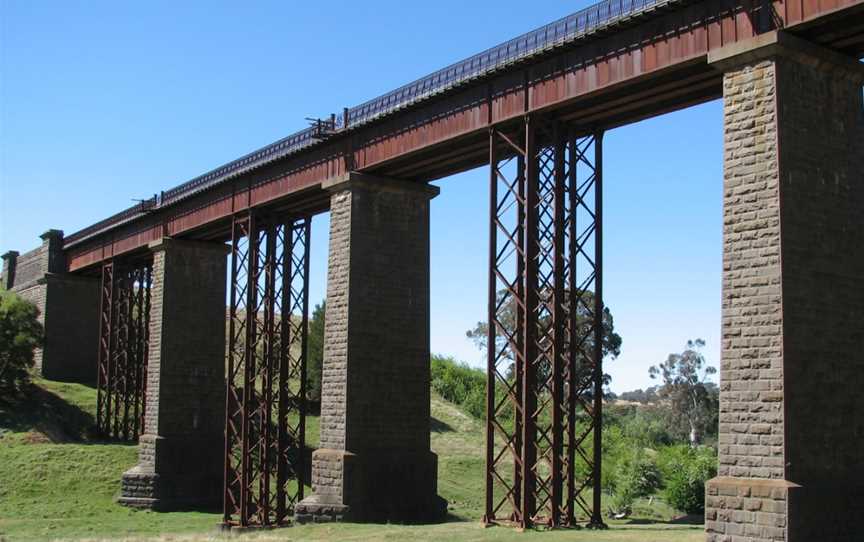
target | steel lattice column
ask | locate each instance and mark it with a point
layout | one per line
(123, 349)
(505, 340)
(292, 369)
(104, 370)
(545, 342)
(141, 313)
(265, 416)
(585, 328)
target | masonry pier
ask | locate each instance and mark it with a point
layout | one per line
(180, 462)
(68, 308)
(374, 461)
(793, 297)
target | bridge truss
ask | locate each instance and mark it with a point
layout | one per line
(546, 323)
(123, 348)
(266, 388)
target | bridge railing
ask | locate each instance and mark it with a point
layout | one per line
(555, 34)
(558, 33)
(284, 146)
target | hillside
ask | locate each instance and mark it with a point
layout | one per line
(57, 482)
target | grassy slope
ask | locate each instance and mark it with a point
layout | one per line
(56, 482)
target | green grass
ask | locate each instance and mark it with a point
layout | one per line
(58, 482)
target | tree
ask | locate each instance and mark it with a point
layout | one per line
(641, 396)
(684, 384)
(20, 334)
(315, 352)
(611, 340)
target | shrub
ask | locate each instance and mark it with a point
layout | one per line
(636, 476)
(614, 449)
(315, 352)
(475, 401)
(20, 334)
(685, 471)
(648, 427)
(460, 384)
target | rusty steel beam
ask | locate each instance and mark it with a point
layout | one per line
(265, 393)
(141, 314)
(545, 333)
(585, 329)
(505, 337)
(235, 417)
(557, 309)
(667, 48)
(597, 351)
(104, 388)
(123, 362)
(530, 324)
(123, 349)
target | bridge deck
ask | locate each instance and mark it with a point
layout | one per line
(611, 64)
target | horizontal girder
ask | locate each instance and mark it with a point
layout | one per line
(630, 70)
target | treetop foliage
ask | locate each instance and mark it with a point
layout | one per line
(584, 323)
(684, 384)
(20, 334)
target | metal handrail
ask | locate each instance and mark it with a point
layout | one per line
(553, 35)
(543, 39)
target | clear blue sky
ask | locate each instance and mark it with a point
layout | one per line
(102, 102)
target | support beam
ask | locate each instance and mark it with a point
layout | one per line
(180, 460)
(545, 327)
(374, 463)
(266, 389)
(793, 297)
(124, 322)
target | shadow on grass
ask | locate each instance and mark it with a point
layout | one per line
(47, 414)
(691, 519)
(200, 508)
(453, 517)
(438, 426)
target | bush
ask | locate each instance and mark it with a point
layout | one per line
(636, 475)
(315, 352)
(460, 384)
(614, 449)
(475, 402)
(685, 471)
(648, 427)
(20, 334)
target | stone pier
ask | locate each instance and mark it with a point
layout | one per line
(68, 309)
(791, 423)
(375, 462)
(181, 452)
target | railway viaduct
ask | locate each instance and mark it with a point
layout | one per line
(138, 301)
